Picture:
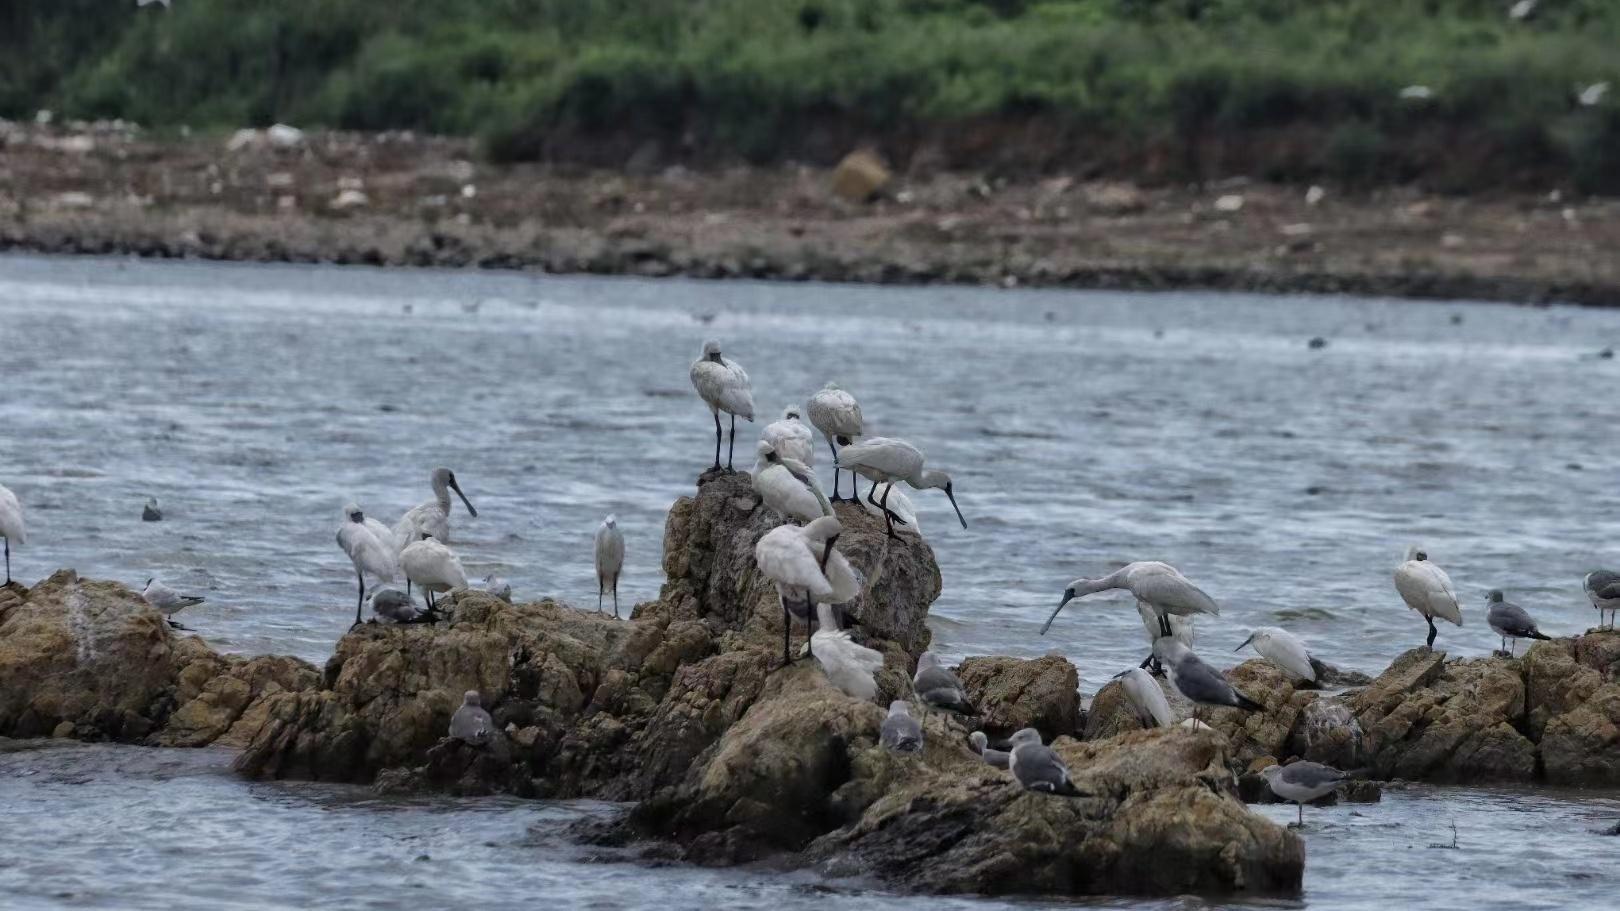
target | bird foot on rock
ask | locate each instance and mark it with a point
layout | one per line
(174, 625)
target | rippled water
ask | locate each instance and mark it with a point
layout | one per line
(1082, 429)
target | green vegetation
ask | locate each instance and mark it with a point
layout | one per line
(1288, 89)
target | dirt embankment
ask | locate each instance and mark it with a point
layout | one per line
(398, 199)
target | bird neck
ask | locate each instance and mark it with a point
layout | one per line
(824, 617)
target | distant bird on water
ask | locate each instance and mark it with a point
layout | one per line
(1037, 766)
(471, 724)
(12, 527)
(723, 386)
(609, 561)
(837, 415)
(1199, 682)
(1427, 589)
(1601, 586)
(1282, 648)
(1510, 621)
(900, 732)
(938, 687)
(1160, 586)
(366, 552)
(791, 436)
(1302, 782)
(432, 518)
(150, 512)
(167, 600)
(888, 460)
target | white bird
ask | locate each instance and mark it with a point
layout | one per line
(1427, 589)
(366, 551)
(837, 415)
(12, 527)
(1145, 697)
(900, 732)
(723, 384)
(888, 460)
(848, 665)
(791, 437)
(807, 570)
(609, 561)
(431, 518)
(1160, 586)
(167, 600)
(432, 566)
(1154, 622)
(788, 486)
(498, 587)
(1283, 649)
(471, 724)
(895, 501)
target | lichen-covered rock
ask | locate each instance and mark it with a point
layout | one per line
(1582, 746)
(1326, 731)
(1013, 693)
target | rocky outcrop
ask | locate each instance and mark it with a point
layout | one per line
(1011, 693)
(92, 660)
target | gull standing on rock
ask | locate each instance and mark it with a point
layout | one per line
(837, 415)
(1283, 649)
(1601, 586)
(167, 600)
(900, 732)
(1427, 589)
(431, 518)
(1145, 697)
(938, 687)
(807, 570)
(1302, 782)
(1160, 586)
(788, 486)
(1200, 683)
(1038, 767)
(434, 567)
(609, 561)
(981, 745)
(393, 604)
(12, 528)
(366, 552)
(791, 436)
(1510, 621)
(471, 724)
(888, 460)
(850, 666)
(723, 384)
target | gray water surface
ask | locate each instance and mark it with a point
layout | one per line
(1082, 429)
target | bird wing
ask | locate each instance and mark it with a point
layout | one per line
(1200, 682)
(1144, 693)
(368, 554)
(845, 581)
(1427, 589)
(1510, 619)
(1038, 768)
(1311, 775)
(835, 412)
(784, 558)
(1172, 593)
(1602, 584)
(895, 458)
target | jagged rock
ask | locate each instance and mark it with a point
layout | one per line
(1012, 693)
(1582, 746)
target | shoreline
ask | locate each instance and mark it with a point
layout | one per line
(401, 200)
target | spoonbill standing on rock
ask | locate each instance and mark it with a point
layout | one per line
(1159, 585)
(723, 384)
(1145, 697)
(366, 551)
(1601, 586)
(609, 561)
(431, 518)
(807, 570)
(791, 436)
(432, 566)
(167, 600)
(888, 460)
(837, 415)
(1283, 649)
(848, 665)
(1510, 621)
(788, 486)
(1200, 683)
(11, 524)
(1427, 589)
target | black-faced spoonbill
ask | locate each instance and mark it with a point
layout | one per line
(433, 567)
(850, 666)
(888, 460)
(1199, 682)
(12, 527)
(609, 561)
(366, 551)
(1302, 782)
(1159, 585)
(471, 724)
(1283, 649)
(723, 385)
(431, 518)
(791, 436)
(1510, 621)
(1603, 588)
(837, 415)
(788, 486)
(807, 570)
(1427, 589)
(167, 600)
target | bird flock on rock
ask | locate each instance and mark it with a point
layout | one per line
(818, 586)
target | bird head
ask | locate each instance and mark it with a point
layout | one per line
(472, 698)
(1494, 596)
(711, 350)
(610, 522)
(352, 510)
(791, 413)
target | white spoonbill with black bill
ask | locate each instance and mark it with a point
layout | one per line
(837, 415)
(1427, 589)
(368, 554)
(791, 436)
(433, 567)
(609, 561)
(1160, 586)
(431, 518)
(850, 666)
(807, 570)
(1510, 621)
(888, 460)
(12, 527)
(788, 486)
(723, 386)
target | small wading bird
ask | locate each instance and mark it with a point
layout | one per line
(471, 724)
(837, 415)
(609, 561)
(1283, 649)
(938, 688)
(807, 570)
(1302, 782)
(788, 486)
(901, 733)
(1160, 586)
(888, 460)
(1601, 586)
(12, 528)
(791, 437)
(167, 600)
(366, 552)
(1145, 697)
(1037, 766)
(433, 567)
(1510, 621)
(1427, 589)
(850, 666)
(723, 385)
(1200, 683)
